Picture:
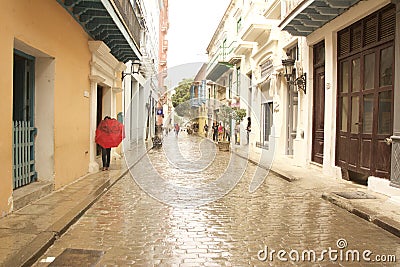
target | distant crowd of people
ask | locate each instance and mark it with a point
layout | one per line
(218, 132)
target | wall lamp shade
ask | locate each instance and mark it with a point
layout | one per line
(288, 65)
(134, 69)
(135, 66)
(290, 75)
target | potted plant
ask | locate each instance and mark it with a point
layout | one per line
(238, 116)
(225, 116)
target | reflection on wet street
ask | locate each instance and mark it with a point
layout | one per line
(134, 228)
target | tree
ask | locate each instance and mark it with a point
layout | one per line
(182, 92)
(225, 115)
(239, 114)
(181, 97)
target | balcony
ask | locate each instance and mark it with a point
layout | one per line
(163, 60)
(164, 27)
(304, 17)
(258, 30)
(274, 10)
(243, 48)
(165, 45)
(222, 61)
(198, 93)
(120, 31)
(217, 70)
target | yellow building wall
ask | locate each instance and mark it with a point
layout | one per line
(6, 63)
(202, 121)
(46, 26)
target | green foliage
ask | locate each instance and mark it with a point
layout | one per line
(224, 114)
(239, 114)
(181, 97)
(182, 92)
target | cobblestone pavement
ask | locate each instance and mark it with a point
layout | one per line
(133, 228)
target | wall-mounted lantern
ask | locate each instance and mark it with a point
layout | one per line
(290, 75)
(134, 69)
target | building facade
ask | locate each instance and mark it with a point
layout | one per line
(144, 94)
(350, 58)
(61, 75)
(223, 72)
(245, 56)
(342, 57)
(142, 80)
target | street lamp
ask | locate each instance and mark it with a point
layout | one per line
(134, 69)
(290, 74)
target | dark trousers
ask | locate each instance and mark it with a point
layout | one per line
(105, 156)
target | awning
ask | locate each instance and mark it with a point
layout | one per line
(99, 19)
(310, 15)
(218, 70)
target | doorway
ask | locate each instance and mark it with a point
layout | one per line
(365, 95)
(267, 122)
(24, 130)
(317, 152)
(365, 101)
(99, 113)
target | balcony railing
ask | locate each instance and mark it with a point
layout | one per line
(114, 22)
(291, 5)
(130, 18)
(222, 55)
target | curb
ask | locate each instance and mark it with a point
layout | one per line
(278, 173)
(369, 215)
(38, 246)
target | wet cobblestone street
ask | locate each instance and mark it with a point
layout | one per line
(133, 228)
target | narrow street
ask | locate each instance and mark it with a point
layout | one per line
(131, 227)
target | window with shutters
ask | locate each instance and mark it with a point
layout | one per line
(375, 29)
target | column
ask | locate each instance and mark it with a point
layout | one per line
(395, 160)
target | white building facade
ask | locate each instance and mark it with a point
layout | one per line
(350, 55)
(140, 81)
(249, 47)
(337, 109)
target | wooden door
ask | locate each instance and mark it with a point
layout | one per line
(365, 108)
(318, 115)
(365, 94)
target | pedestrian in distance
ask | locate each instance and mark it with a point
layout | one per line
(206, 130)
(220, 132)
(237, 132)
(248, 129)
(177, 128)
(215, 132)
(228, 133)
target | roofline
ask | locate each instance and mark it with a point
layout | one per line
(219, 26)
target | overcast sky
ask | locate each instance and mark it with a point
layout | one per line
(192, 25)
